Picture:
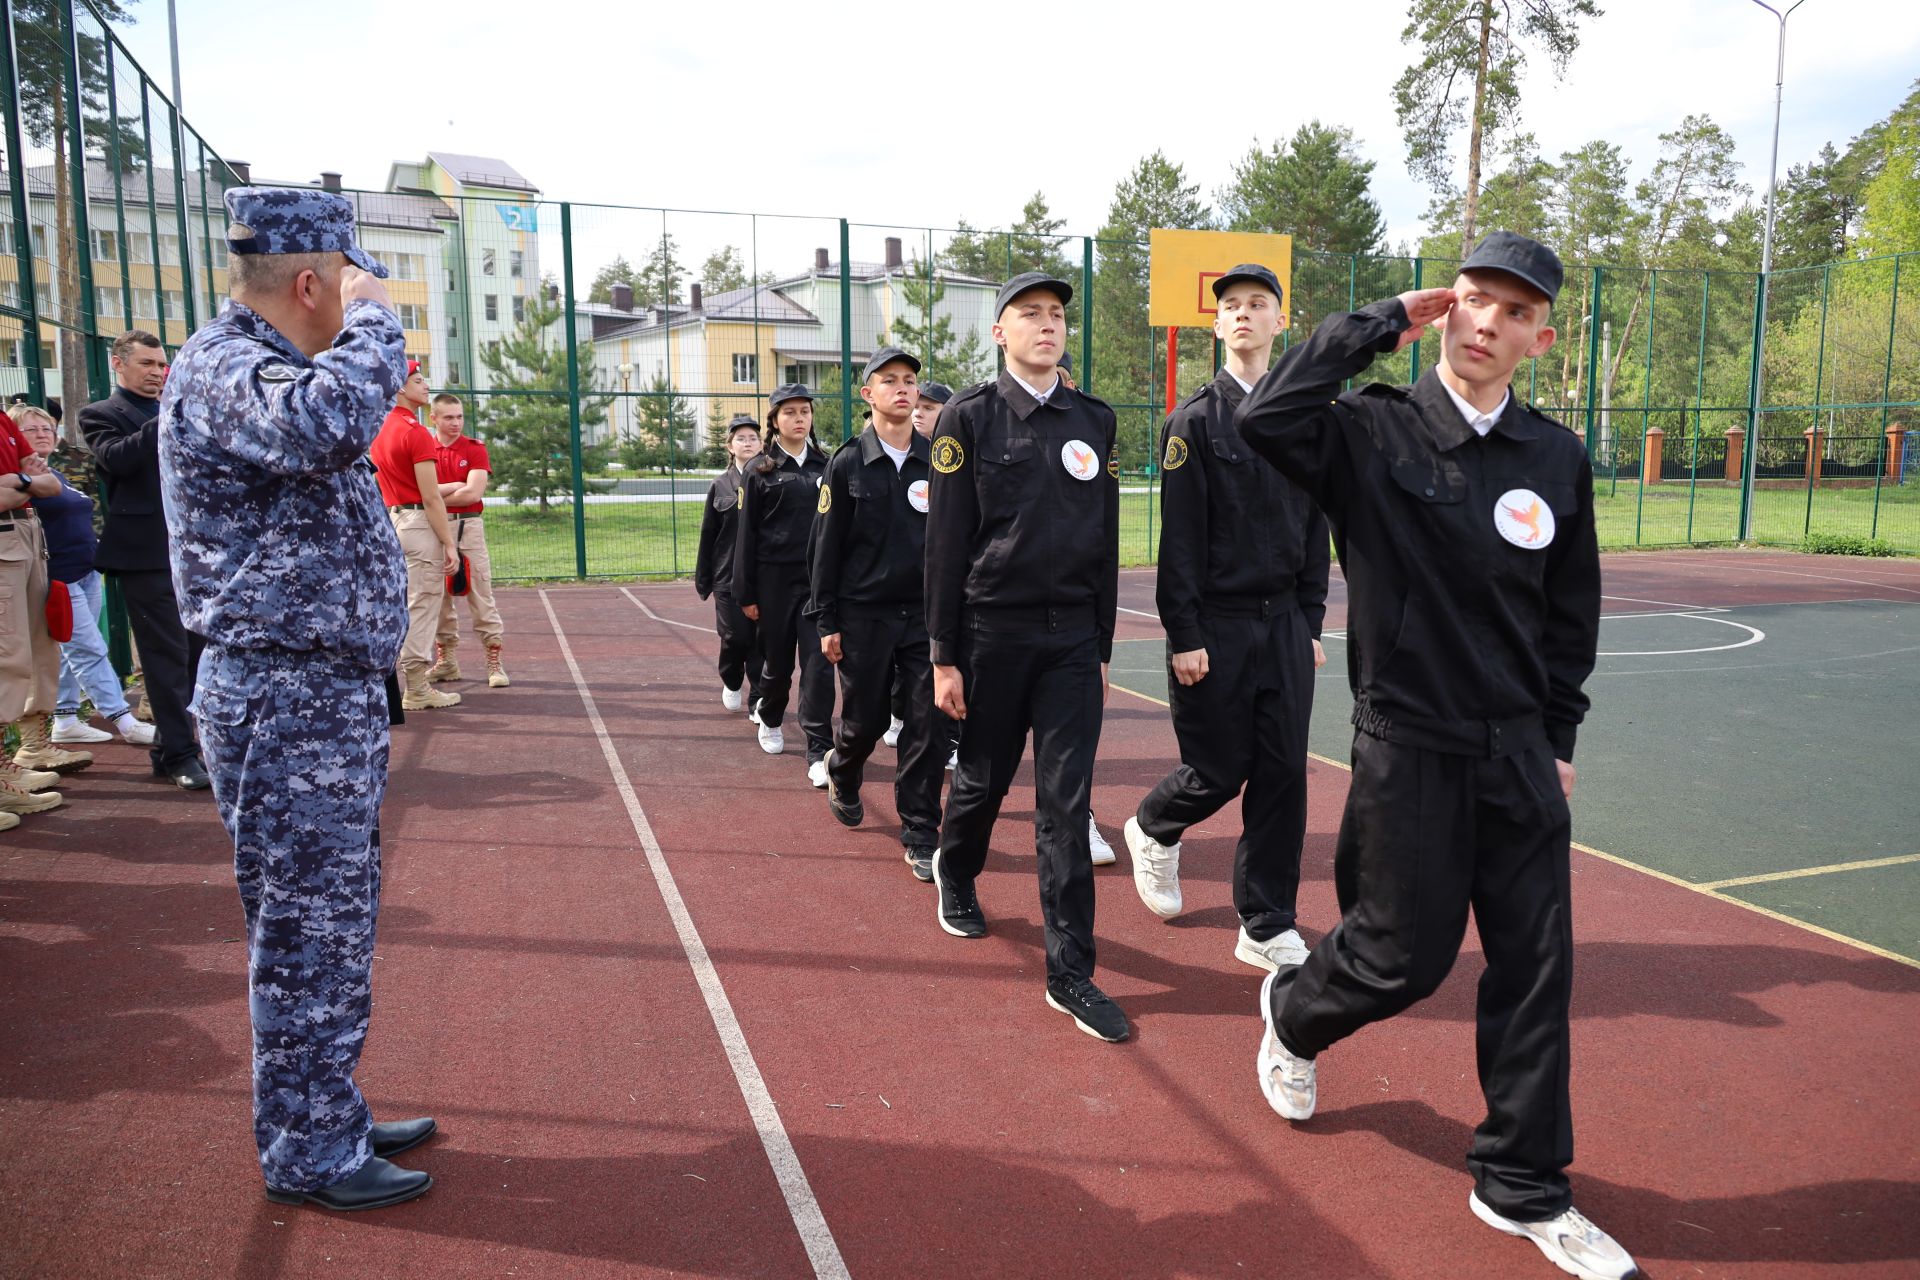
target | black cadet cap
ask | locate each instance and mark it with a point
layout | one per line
(937, 392)
(1031, 280)
(740, 420)
(1250, 271)
(884, 357)
(788, 391)
(1066, 361)
(1515, 254)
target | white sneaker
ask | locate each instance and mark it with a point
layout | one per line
(135, 732)
(74, 729)
(1103, 855)
(892, 736)
(1156, 871)
(816, 772)
(1288, 1082)
(1281, 951)
(953, 760)
(772, 741)
(1570, 1241)
(753, 712)
(732, 699)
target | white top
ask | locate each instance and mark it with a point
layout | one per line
(1040, 396)
(1480, 422)
(1244, 384)
(899, 456)
(797, 457)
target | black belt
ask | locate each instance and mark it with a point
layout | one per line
(466, 515)
(1036, 618)
(1487, 739)
(406, 506)
(1248, 607)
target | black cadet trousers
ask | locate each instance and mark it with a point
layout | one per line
(1426, 835)
(1049, 682)
(946, 730)
(1245, 724)
(785, 632)
(169, 660)
(875, 645)
(739, 645)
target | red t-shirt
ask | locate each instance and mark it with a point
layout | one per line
(403, 441)
(455, 460)
(13, 446)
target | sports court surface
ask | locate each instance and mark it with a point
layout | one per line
(674, 1020)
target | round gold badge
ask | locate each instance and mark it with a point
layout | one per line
(1176, 454)
(948, 456)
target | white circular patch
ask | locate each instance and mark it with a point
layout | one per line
(917, 495)
(1081, 462)
(1524, 519)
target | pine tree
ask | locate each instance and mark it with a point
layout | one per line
(920, 329)
(525, 419)
(664, 431)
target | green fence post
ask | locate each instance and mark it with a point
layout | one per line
(1819, 390)
(153, 206)
(77, 182)
(1646, 400)
(1413, 357)
(188, 311)
(119, 188)
(846, 333)
(573, 397)
(22, 230)
(1699, 398)
(1086, 312)
(1593, 358)
(1886, 395)
(1752, 444)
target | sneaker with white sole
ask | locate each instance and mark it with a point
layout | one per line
(956, 907)
(1103, 854)
(953, 760)
(772, 741)
(892, 736)
(1570, 1241)
(1156, 871)
(817, 774)
(1278, 952)
(136, 733)
(1090, 1008)
(1289, 1083)
(74, 729)
(732, 699)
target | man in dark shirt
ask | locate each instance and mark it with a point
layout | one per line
(1022, 581)
(1241, 591)
(1464, 523)
(123, 432)
(868, 563)
(713, 569)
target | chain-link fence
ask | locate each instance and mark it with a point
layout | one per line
(600, 349)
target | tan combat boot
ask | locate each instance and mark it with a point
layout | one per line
(38, 750)
(418, 695)
(8, 821)
(496, 674)
(16, 796)
(31, 779)
(445, 665)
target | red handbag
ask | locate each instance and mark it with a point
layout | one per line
(59, 611)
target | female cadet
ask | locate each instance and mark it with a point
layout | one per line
(713, 571)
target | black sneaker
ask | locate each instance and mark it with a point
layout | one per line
(957, 909)
(920, 858)
(1089, 1008)
(848, 810)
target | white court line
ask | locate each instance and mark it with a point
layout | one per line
(657, 618)
(1754, 636)
(1138, 613)
(1665, 604)
(811, 1223)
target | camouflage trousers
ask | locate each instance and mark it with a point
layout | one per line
(296, 745)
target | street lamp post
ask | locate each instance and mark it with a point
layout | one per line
(1755, 386)
(626, 405)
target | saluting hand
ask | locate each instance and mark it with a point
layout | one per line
(1190, 668)
(1424, 306)
(949, 692)
(356, 284)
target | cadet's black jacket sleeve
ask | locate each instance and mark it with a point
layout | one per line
(953, 520)
(1107, 601)
(709, 532)
(1182, 562)
(1310, 584)
(1293, 419)
(746, 546)
(831, 526)
(1572, 632)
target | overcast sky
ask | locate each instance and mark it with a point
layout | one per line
(923, 114)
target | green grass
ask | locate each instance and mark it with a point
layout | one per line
(659, 539)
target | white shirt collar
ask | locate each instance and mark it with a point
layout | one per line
(1480, 422)
(1244, 384)
(1039, 396)
(899, 456)
(801, 456)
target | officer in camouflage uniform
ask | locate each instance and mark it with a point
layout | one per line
(284, 559)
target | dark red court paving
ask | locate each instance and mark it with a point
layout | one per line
(1745, 1091)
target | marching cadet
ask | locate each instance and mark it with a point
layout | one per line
(1464, 523)
(926, 412)
(713, 570)
(1241, 591)
(778, 498)
(287, 563)
(869, 560)
(1022, 580)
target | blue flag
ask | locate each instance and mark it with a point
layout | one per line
(520, 217)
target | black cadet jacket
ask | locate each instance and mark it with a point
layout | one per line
(1459, 638)
(777, 500)
(124, 433)
(1237, 538)
(713, 569)
(1024, 531)
(870, 541)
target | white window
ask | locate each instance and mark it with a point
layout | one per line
(139, 247)
(453, 325)
(106, 245)
(412, 316)
(10, 293)
(144, 305)
(516, 263)
(169, 249)
(519, 309)
(39, 242)
(493, 306)
(219, 254)
(43, 297)
(406, 266)
(450, 283)
(486, 262)
(746, 368)
(107, 302)
(176, 304)
(453, 375)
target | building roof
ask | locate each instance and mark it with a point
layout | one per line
(481, 171)
(740, 306)
(406, 211)
(867, 272)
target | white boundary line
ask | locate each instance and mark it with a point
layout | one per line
(657, 618)
(811, 1223)
(1754, 636)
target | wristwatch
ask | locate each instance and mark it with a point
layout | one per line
(26, 481)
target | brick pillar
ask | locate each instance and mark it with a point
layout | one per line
(1650, 454)
(1896, 451)
(1814, 460)
(1736, 452)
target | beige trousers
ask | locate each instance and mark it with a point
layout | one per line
(471, 536)
(29, 657)
(426, 585)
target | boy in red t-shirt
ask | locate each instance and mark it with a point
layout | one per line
(405, 456)
(463, 473)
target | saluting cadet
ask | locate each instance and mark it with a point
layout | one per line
(284, 559)
(713, 569)
(1464, 522)
(1023, 572)
(1241, 591)
(869, 562)
(778, 499)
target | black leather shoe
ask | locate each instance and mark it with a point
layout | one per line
(191, 776)
(376, 1185)
(1089, 1008)
(394, 1136)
